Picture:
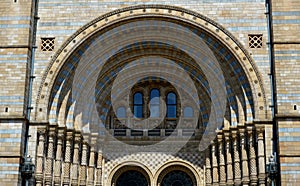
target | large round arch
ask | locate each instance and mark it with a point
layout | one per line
(126, 172)
(247, 100)
(184, 173)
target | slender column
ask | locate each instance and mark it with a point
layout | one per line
(215, 164)
(98, 177)
(49, 159)
(252, 154)
(228, 157)
(243, 146)
(237, 168)
(91, 168)
(208, 167)
(261, 154)
(40, 156)
(221, 159)
(58, 157)
(67, 163)
(83, 163)
(75, 164)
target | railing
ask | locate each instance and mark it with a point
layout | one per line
(154, 128)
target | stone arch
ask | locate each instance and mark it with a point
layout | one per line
(185, 167)
(118, 170)
(155, 11)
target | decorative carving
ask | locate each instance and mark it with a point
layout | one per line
(260, 129)
(236, 150)
(243, 145)
(50, 153)
(208, 167)
(83, 163)
(58, 157)
(98, 176)
(252, 154)
(75, 164)
(228, 157)
(40, 156)
(215, 164)
(221, 159)
(67, 163)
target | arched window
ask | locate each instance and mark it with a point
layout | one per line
(121, 112)
(188, 112)
(138, 105)
(154, 103)
(171, 105)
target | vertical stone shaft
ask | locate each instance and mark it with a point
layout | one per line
(252, 154)
(49, 159)
(208, 167)
(228, 158)
(260, 154)
(67, 163)
(221, 159)
(237, 168)
(83, 163)
(215, 164)
(58, 157)
(75, 164)
(245, 168)
(40, 157)
(91, 169)
(98, 177)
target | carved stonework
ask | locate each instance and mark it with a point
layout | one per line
(252, 154)
(50, 154)
(244, 160)
(208, 167)
(236, 152)
(221, 159)
(40, 155)
(75, 164)
(228, 158)
(58, 157)
(67, 163)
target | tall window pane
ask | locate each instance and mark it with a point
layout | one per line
(138, 105)
(154, 103)
(171, 105)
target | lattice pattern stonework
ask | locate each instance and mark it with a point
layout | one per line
(47, 44)
(255, 40)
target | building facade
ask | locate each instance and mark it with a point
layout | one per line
(178, 92)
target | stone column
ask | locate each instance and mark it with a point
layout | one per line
(98, 176)
(75, 164)
(67, 163)
(228, 150)
(252, 154)
(58, 157)
(261, 154)
(244, 162)
(40, 156)
(236, 152)
(91, 167)
(215, 165)
(208, 167)
(221, 159)
(83, 163)
(49, 159)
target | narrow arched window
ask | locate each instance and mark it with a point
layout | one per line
(154, 103)
(171, 105)
(188, 112)
(138, 105)
(121, 112)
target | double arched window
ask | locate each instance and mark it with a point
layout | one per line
(154, 104)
